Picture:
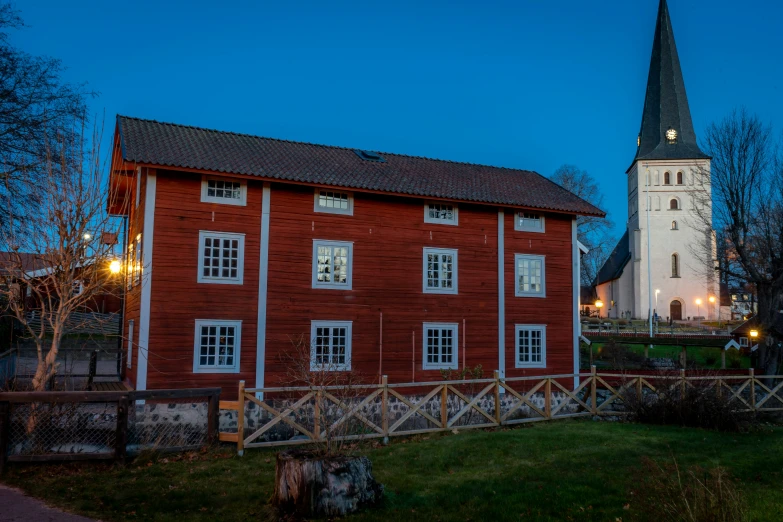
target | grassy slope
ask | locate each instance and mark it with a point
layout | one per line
(695, 353)
(565, 470)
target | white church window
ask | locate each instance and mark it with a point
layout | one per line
(674, 204)
(679, 178)
(674, 225)
(675, 265)
(667, 178)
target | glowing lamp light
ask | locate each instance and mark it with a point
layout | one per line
(712, 299)
(87, 236)
(114, 267)
(698, 302)
(599, 304)
(754, 333)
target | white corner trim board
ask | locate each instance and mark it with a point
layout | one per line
(501, 297)
(146, 281)
(576, 268)
(263, 274)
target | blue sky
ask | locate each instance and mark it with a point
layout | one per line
(525, 84)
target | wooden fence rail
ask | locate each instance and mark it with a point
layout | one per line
(494, 402)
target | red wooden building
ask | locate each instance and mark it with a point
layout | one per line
(387, 264)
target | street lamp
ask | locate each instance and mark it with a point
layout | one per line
(698, 310)
(754, 334)
(115, 266)
(599, 304)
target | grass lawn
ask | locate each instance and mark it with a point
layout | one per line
(694, 353)
(562, 470)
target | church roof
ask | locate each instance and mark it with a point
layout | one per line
(614, 265)
(666, 104)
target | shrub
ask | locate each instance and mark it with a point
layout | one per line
(700, 406)
(623, 322)
(733, 358)
(711, 356)
(620, 356)
(669, 493)
(594, 320)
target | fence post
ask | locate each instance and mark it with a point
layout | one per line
(317, 415)
(723, 359)
(548, 398)
(385, 408)
(682, 383)
(5, 432)
(444, 410)
(497, 397)
(593, 392)
(241, 419)
(213, 418)
(121, 435)
(752, 388)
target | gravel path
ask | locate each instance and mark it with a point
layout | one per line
(15, 506)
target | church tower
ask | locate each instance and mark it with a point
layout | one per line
(667, 173)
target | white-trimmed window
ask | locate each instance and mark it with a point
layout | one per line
(221, 257)
(440, 271)
(441, 213)
(440, 346)
(530, 275)
(530, 345)
(330, 345)
(225, 191)
(332, 264)
(133, 265)
(333, 202)
(216, 346)
(743, 341)
(529, 222)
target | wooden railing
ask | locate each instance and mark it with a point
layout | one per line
(445, 405)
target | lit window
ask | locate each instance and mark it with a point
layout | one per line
(529, 222)
(743, 341)
(530, 346)
(133, 265)
(440, 271)
(530, 276)
(674, 225)
(440, 213)
(221, 258)
(440, 346)
(217, 346)
(228, 192)
(332, 261)
(675, 265)
(333, 202)
(330, 345)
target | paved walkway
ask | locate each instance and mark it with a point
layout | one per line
(15, 506)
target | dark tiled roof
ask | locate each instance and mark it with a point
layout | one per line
(666, 104)
(170, 145)
(614, 265)
(753, 323)
(14, 261)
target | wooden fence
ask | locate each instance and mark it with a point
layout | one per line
(73, 438)
(496, 402)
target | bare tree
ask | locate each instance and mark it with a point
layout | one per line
(35, 104)
(593, 232)
(337, 392)
(746, 206)
(59, 258)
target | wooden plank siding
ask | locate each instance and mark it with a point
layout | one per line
(388, 235)
(133, 295)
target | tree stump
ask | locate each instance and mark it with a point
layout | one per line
(315, 485)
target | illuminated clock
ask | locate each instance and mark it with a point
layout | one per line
(671, 135)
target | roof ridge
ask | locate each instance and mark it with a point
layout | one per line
(339, 147)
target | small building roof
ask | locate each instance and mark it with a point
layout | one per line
(615, 263)
(148, 142)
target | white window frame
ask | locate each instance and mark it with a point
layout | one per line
(744, 342)
(129, 362)
(454, 270)
(197, 368)
(454, 221)
(348, 285)
(454, 364)
(520, 228)
(530, 327)
(517, 291)
(327, 210)
(242, 201)
(348, 325)
(201, 278)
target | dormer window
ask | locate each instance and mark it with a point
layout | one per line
(529, 222)
(370, 156)
(440, 213)
(223, 191)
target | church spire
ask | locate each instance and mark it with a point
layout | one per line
(667, 128)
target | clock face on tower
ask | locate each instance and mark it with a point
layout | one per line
(671, 135)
